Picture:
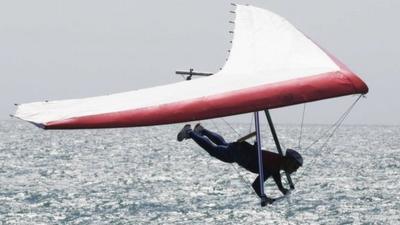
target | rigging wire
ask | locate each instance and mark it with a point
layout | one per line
(334, 128)
(229, 125)
(251, 123)
(326, 134)
(213, 123)
(244, 180)
(301, 127)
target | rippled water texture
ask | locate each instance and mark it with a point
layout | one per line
(144, 176)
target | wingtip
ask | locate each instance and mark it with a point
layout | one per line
(39, 125)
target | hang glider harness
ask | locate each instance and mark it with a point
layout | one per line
(327, 135)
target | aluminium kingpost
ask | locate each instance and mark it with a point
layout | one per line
(260, 160)
(277, 144)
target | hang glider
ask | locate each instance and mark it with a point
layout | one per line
(271, 64)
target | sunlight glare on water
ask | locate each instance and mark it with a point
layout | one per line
(144, 176)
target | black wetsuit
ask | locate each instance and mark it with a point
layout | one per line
(243, 153)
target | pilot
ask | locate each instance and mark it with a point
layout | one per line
(245, 155)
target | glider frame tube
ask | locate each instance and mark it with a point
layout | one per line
(277, 144)
(260, 161)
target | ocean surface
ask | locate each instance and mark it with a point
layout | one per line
(144, 176)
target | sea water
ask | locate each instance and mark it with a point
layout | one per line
(144, 176)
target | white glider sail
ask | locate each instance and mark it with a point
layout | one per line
(271, 65)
